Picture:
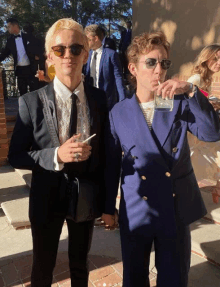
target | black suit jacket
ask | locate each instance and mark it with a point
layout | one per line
(32, 148)
(109, 43)
(33, 47)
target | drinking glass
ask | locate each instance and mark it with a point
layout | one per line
(163, 105)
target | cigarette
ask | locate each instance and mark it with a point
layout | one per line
(158, 82)
(89, 138)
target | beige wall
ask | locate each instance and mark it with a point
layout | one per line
(188, 24)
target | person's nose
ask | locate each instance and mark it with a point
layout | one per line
(67, 53)
(158, 69)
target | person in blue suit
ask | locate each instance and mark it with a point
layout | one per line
(125, 41)
(103, 69)
(160, 196)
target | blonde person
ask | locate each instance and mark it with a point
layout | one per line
(205, 156)
(43, 142)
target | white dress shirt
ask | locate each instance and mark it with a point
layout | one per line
(63, 104)
(21, 53)
(98, 59)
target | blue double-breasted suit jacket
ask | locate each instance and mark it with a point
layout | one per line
(110, 76)
(158, 185)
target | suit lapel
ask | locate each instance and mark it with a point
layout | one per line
(88, 63)
(92, 108)
(24, 39)
(102, 61)
(14, 49)
(163, 121)
(51, 98)
(139, 124)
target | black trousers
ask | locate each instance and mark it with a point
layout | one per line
(26, 78)
(45, 246)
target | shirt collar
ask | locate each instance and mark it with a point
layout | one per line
(99, 50)
(18, 34)
(62, 91)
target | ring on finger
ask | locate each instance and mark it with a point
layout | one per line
(76, 155)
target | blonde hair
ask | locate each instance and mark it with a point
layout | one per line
(201, 67)
(65, 23)
(144, 44)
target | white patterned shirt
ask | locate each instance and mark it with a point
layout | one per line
(63, 102)
(98, 60)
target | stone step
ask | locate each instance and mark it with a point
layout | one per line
(26, 175)
(17, 212)
(206, 240)
(213, 209)
(14, 194)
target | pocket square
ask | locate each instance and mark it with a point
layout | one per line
(28, 42)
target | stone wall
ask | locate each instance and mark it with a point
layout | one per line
(189, 26)
(3, 127)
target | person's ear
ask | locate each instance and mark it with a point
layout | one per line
(132, 68)
(50, 58)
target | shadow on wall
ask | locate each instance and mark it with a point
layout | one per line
(189, 26)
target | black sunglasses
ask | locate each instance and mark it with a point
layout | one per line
(75, 50)
(151, 63)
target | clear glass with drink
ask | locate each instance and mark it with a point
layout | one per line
(163, 104)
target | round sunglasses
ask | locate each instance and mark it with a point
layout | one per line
(151, 63)
(60, 50)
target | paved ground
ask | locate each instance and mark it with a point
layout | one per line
(104, 260)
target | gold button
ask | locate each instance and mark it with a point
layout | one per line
(144, 197)
(143, 177)
(174, 194)
(174, 149)
(168, 174)
(123, 153)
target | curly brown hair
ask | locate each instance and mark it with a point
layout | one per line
(144, 44)
(201, 67)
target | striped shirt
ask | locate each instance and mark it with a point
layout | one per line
(148, 111)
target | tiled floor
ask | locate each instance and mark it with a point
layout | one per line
(104, 271)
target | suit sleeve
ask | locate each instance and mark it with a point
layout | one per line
(113, 166)
(5, 52)
(118, 76)
(21, 155)
(203, 121)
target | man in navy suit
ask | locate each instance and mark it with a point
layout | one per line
(160, 196)
(107, 42)
(125, 41)
(103, 69)
(26, 51)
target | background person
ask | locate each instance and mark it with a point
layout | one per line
(125, 41)
(107, 42)
(57, 160)
(160, 196)
(26, 52)
(205, 156)
(103, 68)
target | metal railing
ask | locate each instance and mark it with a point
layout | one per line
(10, 87)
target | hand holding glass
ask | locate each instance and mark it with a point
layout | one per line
(162, 104)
